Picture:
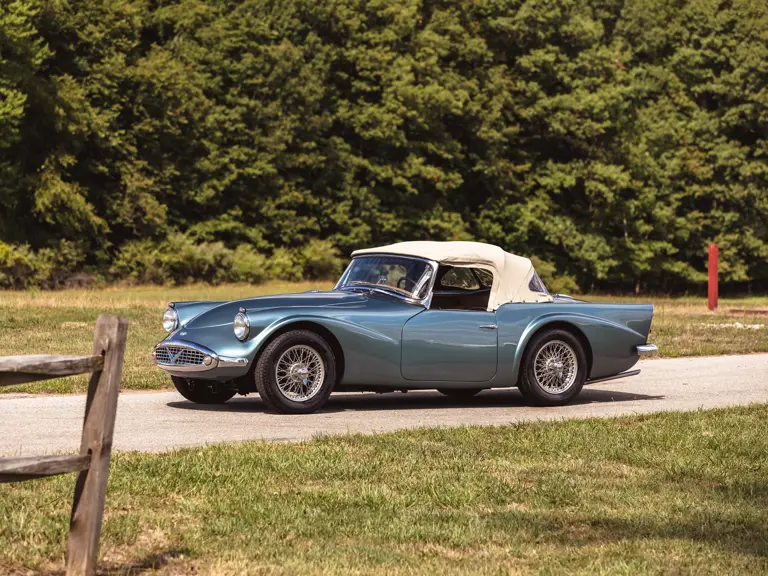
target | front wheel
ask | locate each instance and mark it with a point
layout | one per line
(202, 391)
(296, 372)
(554, 368)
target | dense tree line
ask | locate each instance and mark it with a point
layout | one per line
(247, 139)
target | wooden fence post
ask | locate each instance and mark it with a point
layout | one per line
(98, 427)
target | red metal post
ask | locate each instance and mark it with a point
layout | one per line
(712, 287)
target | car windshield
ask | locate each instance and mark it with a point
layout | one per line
(406, 277)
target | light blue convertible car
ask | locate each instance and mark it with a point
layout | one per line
(460, 317)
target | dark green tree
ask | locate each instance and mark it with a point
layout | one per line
(613, 140)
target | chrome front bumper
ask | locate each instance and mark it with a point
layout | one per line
(176, 356)
(647, 350)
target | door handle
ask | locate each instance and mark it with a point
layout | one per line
(489, 326)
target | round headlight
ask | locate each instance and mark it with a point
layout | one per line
(242, 326)
(170, 320)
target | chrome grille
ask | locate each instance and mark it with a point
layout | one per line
(178, 356)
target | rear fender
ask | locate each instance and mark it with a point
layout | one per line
(612, 345)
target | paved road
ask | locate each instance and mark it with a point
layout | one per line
(160, 421)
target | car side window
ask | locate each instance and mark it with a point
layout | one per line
(462, 289)
(536, 285)
(461, 278)
(485, 276)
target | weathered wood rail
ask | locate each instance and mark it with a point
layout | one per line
(92, 463)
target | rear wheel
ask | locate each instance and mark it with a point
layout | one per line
(202, 391)
(459, 392)
(554, 368)
(296, 372)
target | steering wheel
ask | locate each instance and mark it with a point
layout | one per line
(405, 280)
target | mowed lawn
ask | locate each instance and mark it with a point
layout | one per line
(674, 493)
(62, 323)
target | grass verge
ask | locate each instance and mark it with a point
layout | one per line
(62, 323)
(665, 493)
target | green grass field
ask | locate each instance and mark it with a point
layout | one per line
(675, 493)
(62, 323)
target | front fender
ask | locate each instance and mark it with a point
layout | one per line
(336, 326)
(371, 355)
(188, 311)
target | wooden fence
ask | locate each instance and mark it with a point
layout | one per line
(92, 463)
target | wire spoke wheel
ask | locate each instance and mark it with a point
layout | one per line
(300, 373)
(555, 367)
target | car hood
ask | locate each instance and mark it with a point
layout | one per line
(222, 313)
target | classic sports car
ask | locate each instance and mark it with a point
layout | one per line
(460, 317)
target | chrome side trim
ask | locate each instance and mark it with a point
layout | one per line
(647, 350)
(614, 377)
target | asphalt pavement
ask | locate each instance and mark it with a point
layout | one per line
(158, 421)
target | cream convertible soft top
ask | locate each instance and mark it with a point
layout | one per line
(511, 274)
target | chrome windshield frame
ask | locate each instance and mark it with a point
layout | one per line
(426, 279)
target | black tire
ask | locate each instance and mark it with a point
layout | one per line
(534, 391)
(266, 378)
(459, 392)
(202, 391)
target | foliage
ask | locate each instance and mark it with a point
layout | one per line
(51, 267)
(179, 260)
(16, 266)
(611, 139)
(556, 284)
(320, 260)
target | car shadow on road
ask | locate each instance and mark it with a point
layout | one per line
(417, 400)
